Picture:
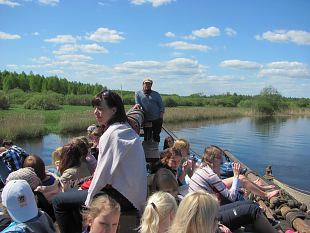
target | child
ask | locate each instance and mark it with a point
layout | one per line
(158, 213)
(19, 201)
(102, 215)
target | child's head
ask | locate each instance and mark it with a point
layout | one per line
(28, 174)
(37, 164)
(56, 156)
(168, 143)
(158, 213)
(19, 201)
(197, 213)
(164, 180)
(102, 215)
(172, 159)
(183, 146)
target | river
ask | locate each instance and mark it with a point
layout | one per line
(257, 142)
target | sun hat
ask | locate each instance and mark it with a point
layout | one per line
(28, 174)
(19, 200)
(147, 80)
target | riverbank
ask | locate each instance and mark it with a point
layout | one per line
(18, 123)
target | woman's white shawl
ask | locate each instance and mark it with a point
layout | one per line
(121, 163)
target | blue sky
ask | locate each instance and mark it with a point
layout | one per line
(185, 46)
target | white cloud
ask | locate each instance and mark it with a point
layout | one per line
(62, 39)
(206, 32)
(285, 69)
(56, 72)
(106, 35)
(230, 32)
(12, 66)
(93, 48)
(41, 60)
(9, 3)
(74, 58)
(294, 36)
(238, 64)
(65, 49)
(137, 2)
(155, 3)
(49, 2)
(181, 45)
(169, 34)
(35, 33)
(85, 48)
(7, 36)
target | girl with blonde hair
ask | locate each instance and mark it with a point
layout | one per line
(188, 165)
(197, 213)
(158, 213)
(102, 215)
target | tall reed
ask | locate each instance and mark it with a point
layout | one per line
(202, 113)
(75, 121)
(21, 125)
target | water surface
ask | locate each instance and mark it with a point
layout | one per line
(257, 142)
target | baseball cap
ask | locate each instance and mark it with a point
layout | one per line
(147, 80)
(19, 200)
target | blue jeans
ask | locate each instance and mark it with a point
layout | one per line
(242, 213)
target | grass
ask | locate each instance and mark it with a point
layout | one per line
(18, 122)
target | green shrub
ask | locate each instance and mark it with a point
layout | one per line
(169, 102)
(4, 101)
(17, 96)
(84, 100)
(42, 102)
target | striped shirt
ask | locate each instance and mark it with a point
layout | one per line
(205, 179)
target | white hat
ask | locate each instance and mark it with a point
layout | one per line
(19, 200)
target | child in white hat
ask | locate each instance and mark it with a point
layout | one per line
(19, 201)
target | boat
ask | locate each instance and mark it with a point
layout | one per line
(290, 208)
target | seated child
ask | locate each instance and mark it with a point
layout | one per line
(102, 215)
(19, 201)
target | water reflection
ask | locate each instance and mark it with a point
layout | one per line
(199, 124)
(268, 125)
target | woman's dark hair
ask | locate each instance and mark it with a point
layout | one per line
(37, 164)
(166, 143)
(70, 156)
(112, 99)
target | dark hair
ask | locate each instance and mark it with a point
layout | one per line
(37, 164)
(166, 144)
(168, 154)
(70, 156)
(112, 99)
(7, 142)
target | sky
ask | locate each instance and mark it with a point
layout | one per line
(184, 46)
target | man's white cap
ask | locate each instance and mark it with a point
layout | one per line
(19, 200)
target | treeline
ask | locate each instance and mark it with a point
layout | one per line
(39, 83)
(35, 91)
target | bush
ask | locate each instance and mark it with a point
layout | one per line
(169, 102)
(84, 100)
(17, 96)
(42, 102)
(4, 101)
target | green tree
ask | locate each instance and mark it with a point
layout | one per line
(4, 101)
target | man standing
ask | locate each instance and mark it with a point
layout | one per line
(151, 103)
